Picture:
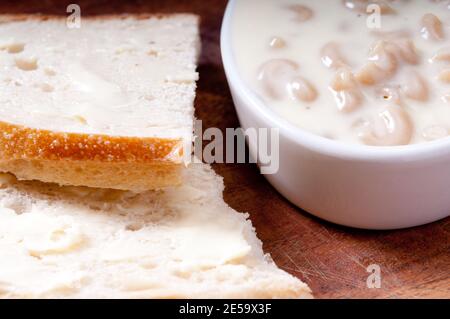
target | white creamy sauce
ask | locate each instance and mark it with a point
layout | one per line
(387, 85)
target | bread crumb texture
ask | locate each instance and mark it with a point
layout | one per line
(181, 242)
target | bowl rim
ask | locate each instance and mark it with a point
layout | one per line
(334, 148)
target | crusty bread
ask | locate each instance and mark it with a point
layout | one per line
(107, 105)
(181, 242)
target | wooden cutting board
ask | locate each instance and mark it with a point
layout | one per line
(333, 260)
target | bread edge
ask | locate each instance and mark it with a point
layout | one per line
(163, 150)
(78, 158)
(12, 17)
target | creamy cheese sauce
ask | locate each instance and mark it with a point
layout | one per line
(336, 70)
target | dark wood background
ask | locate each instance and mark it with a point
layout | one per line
(415, 263)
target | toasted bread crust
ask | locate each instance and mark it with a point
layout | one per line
(128, 163)
(20, 142)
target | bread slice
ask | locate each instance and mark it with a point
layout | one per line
(181, 242)
(109, 104)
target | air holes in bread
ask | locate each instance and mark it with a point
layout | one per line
(153, 53)
(13, 48)
(26, 64)
(45, 87)
(133, 227)
(80, 119)
(49, 71)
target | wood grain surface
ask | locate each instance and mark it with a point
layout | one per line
(415, 263)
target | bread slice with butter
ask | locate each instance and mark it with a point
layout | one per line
(109, 104)
(180, 242)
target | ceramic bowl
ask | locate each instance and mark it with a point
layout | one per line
(353, 185)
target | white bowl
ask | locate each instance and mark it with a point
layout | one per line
(352, 185)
